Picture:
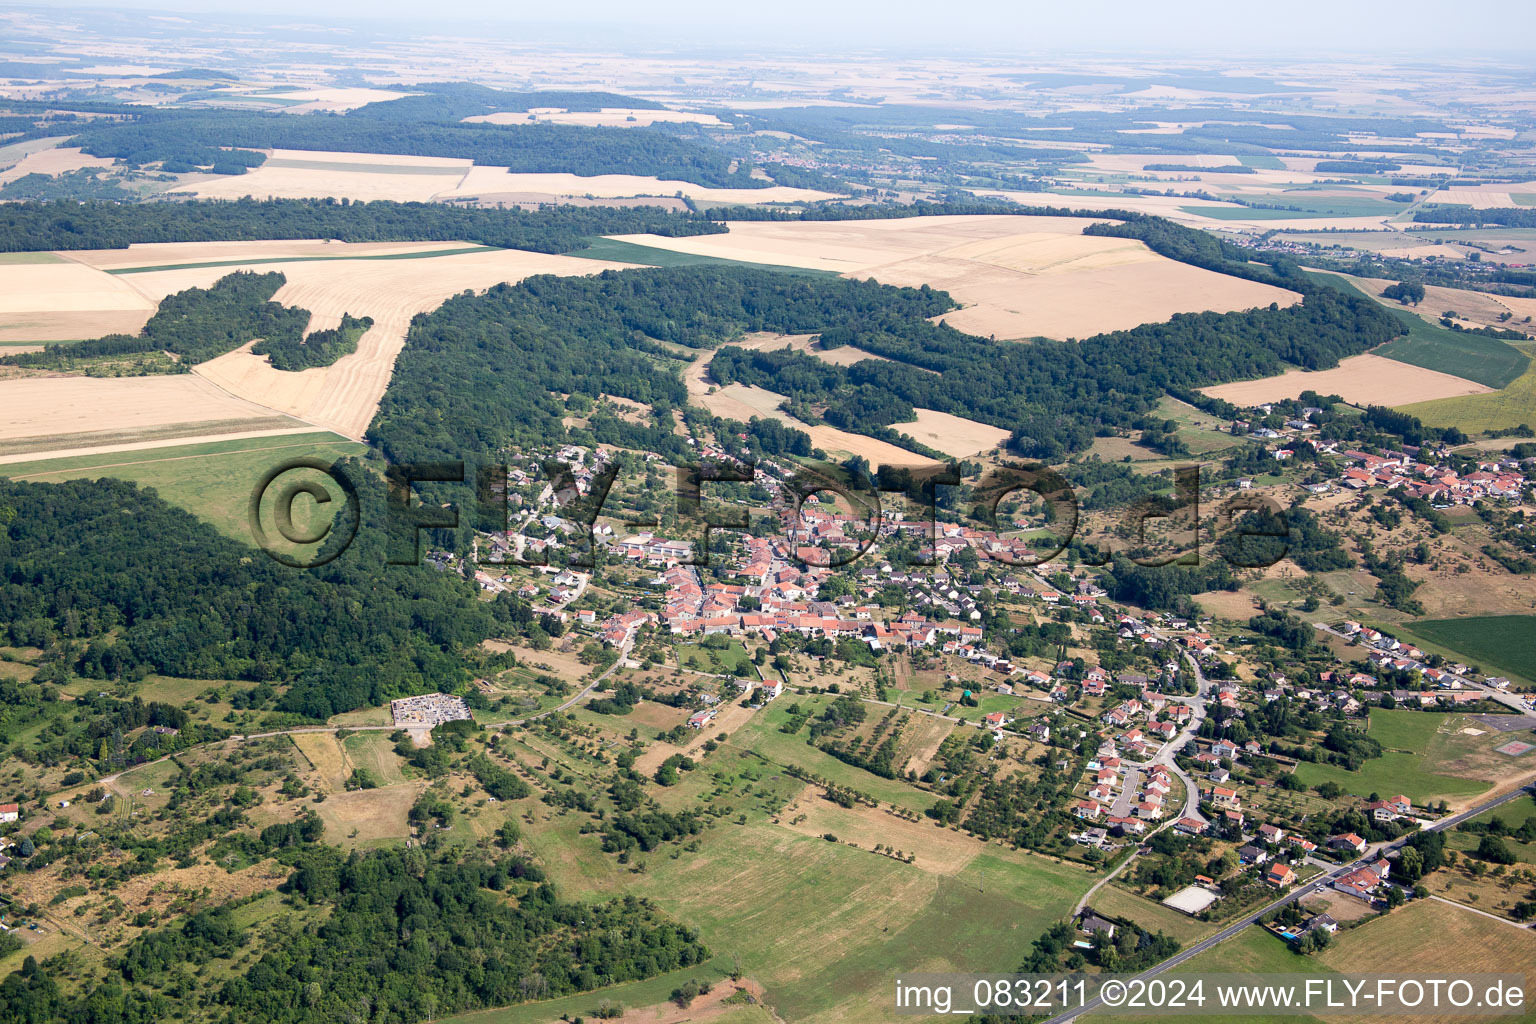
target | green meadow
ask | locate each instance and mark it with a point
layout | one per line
(214, 479)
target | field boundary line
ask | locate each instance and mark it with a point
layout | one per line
(1484, 913)
(173, 458)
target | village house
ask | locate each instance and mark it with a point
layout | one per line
(1346, 841)
(1252, 854)
(1221, 796)
(1320, 922)
(1363, 882)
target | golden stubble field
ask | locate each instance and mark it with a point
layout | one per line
(942, 431)
(302, 174)
(495, 180)
(742, 402)
(608, 117)
(51, 162)
(1016, 277)
(1360, 380)
(57, 415)
(1174, 208)
(342, 397)
(237, 393)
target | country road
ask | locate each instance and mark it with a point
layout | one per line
(1311, 887)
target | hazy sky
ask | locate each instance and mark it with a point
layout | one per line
(1197, 28)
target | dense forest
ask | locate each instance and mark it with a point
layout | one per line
(1501, 216)
(199, 324)
(407, 936)
(863, 128)
(204, 137)
(66, 224)
(454, 101)
(75, 569)
(1057, 396)
(293, 351)
(486, 364)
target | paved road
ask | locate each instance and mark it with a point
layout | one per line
(1316, 885)
(1165, 755)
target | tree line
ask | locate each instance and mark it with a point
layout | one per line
(198, 324)
(121, 584)
(67, 224)
(405, 936)
(203, 137)
(1054, 396)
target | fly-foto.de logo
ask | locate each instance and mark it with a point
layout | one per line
(306, 512)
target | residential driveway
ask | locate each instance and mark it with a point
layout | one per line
(1127, 796)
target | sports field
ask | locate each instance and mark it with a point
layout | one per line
(1427, 757)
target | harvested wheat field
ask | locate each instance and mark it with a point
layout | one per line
(1480, 309)
(52, 162)
(1015, 277)
(44, 326)
(482, 180)
(843, 355)
(608, 117)
(160, 254)
(337, 99)
(1221, 215)
(742, 402)
(342, 397)
(301, 174)
(57, 414)
(63, 287)
(952, 435)
(1483, 197)
(1359, 380)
